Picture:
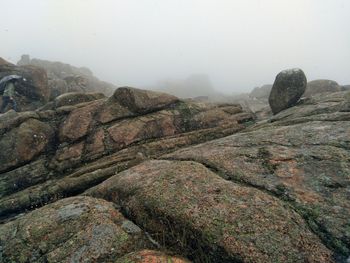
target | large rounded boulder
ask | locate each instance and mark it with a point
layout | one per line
(287, 89)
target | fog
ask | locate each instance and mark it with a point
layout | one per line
(239, 44)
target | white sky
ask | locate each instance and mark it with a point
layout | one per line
(240, 44)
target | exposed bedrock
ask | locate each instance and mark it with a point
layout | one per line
(200, 180)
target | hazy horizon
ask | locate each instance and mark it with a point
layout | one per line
(238, 44)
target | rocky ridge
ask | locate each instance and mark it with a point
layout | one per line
(118, 179)
(66, 148)
(63, 78)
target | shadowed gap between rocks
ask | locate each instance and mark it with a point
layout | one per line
(182, 239)
(57, 192)
(171, 226)
(185, 241)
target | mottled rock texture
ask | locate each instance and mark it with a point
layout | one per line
(199, 180)
(228, 222)
(49, 154)
(301, 156)
(77, 229)
(24, 143)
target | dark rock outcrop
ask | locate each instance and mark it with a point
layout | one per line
(287, 89)
(32, 93)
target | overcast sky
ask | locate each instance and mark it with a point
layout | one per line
(240, 44)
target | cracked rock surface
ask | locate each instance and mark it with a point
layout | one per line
(301, 157)
(228, 222)
(181, 180)
(76, 229)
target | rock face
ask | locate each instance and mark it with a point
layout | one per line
(22, 144)
(199, 180)
(301, 157)
(45, 149)
(35, 91)
(287, 89)
(321, 86)
(78, 229)
(237, 219)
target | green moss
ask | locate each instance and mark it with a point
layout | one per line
(311, 216)
(265, 157)
(248, 122)
(123, 237)
(187, 112)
